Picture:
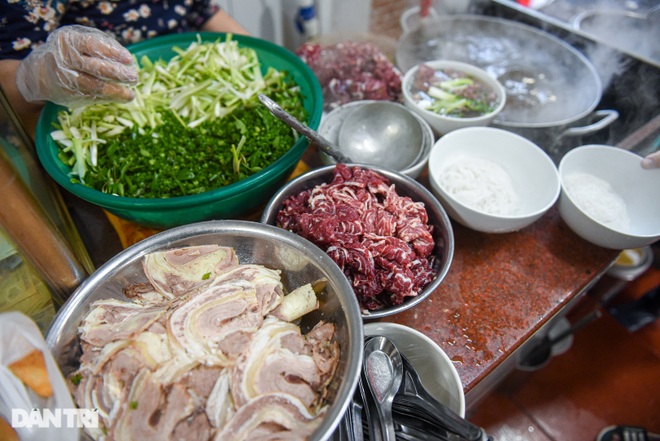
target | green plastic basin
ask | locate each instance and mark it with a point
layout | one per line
(232, 201)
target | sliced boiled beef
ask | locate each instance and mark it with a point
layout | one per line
(199, 354)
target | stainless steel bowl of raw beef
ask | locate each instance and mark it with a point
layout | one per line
(195, 333)
(386, 231)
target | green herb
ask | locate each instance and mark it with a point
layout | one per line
(196, 124)
(206, 276)
(76, 379)
(456, 94)
(133, 405)
(191, 161)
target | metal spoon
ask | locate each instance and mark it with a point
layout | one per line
(313, 136)
(356, 407)
(383, 371)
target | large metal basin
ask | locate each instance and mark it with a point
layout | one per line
(300, 262)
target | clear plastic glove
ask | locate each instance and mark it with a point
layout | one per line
(77, 65)
(652, 160)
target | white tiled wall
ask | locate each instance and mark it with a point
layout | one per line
(274, 20)
(262, 18)
(347, 16)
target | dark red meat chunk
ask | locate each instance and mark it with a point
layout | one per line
(382, 241)
(351, 71)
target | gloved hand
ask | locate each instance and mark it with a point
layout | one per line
(652, 160)
(77, 65)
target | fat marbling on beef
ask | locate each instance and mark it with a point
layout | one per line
(202, 353)
(382, 241)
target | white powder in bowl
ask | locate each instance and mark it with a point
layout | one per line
(598, 199)
(481, 184)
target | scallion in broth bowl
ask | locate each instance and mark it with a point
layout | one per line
(452, 92)
(451, 95)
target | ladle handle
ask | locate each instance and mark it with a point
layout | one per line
(310, 134)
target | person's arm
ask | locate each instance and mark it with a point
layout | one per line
(76, 65)
(26, 111)
(221, 21)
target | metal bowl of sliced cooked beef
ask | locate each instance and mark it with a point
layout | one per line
(214, 330)
(389, 235)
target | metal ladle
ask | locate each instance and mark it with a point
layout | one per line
(383, 372)
(382, 133)
(313, 136)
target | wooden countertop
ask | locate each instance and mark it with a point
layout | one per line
(501, 288)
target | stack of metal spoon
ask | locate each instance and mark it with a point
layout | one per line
(390, 403)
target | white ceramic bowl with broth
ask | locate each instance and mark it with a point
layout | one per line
(445, 123)
(626, 210)
(462, 169)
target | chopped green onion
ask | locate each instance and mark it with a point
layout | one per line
(195, 124)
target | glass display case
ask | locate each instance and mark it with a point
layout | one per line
(42, 257)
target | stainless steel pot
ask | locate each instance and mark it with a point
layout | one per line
(557, 140)
(551, 87)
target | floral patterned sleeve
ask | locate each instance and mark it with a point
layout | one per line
(27, 23)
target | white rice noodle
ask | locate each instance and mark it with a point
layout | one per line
(482, 185)
(597, 199)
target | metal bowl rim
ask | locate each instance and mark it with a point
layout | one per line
(394, 177)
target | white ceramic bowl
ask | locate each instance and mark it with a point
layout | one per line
(442, 124)
(532, 174)
(435, 368)
(331, 124)
(637, 187)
